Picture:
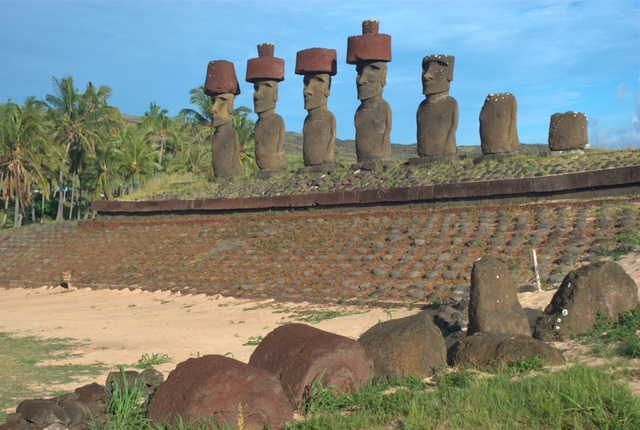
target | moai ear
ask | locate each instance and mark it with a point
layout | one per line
(450, 61)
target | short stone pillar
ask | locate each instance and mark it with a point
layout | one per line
(498, 132)
(437, 115)
(568, 131)
(371, 52)
(222, 86)
(264, 73)
(317, 65)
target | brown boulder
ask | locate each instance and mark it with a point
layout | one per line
(407, 346)
(599, 287)
(568, 131)
(483, 349)
(300, 355)
(493, 303)
(498, 132)
(42, 412)
(214, 386)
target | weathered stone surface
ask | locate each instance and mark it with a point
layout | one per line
(316, 60)
(265, 72)
(222, 86)
(319, 129)
(437, 115)
(568, 131)
(370, 46)
(370, 53)
(221, 78)
(269, 139)
(494, 304)
(498, 131)
(42, 412)
(265, 66)
(300, 355)
(213, 386)
(319, 134)
(483, 349)
(407, 346)
(599, 287)
(373, 116)
(225, 150)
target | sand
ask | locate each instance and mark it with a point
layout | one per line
(119, 326)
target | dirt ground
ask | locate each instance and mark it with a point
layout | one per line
(119, 326)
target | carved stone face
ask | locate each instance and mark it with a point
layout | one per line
(222, 109)
(435, 77)
(372, 76)
(316, 90)
(265, 95)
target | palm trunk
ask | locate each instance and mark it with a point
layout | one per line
(79, 196)
(60, 214)
(73, 191)
(16, 210)
(42, 209)
(4, 213)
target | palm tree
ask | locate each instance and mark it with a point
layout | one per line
(138, 157)
(103, 174)
(203, 102)
(26, 153)
(80, 121)
(157, 125)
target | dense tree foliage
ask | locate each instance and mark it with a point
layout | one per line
(73, 147)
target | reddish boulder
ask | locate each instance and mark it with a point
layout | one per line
(301, 355)
(214, 386)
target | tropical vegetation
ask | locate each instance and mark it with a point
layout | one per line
(60, 153)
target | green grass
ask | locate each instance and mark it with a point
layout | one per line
(609, 337)
(577, 397)
(23, 376)
(149, 361)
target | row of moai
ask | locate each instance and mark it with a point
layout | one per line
(437, 115)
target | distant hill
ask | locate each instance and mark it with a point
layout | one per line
(346, 149)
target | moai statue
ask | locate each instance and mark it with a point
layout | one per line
(437, 115)
(370, 53)
(264, 73)
(222, 86)
(498, 132)
(319, 130)
(568, 131)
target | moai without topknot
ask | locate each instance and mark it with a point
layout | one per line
(498, 132)
(222, 86)
(437, 115)
(371, 52)
(568, 131)
(317, 65)
(264, 73)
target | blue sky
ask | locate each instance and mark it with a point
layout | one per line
(554, 56)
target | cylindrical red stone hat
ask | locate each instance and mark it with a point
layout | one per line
(266, 66)
(449, 59)
(371, 46)
(316, 60)
(221, 79)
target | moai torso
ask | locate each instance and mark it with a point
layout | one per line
(269, 138)
(437, 125)
(225, 151)
(319, 135)
(498, 132)
(373, 130)
(568, 131)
